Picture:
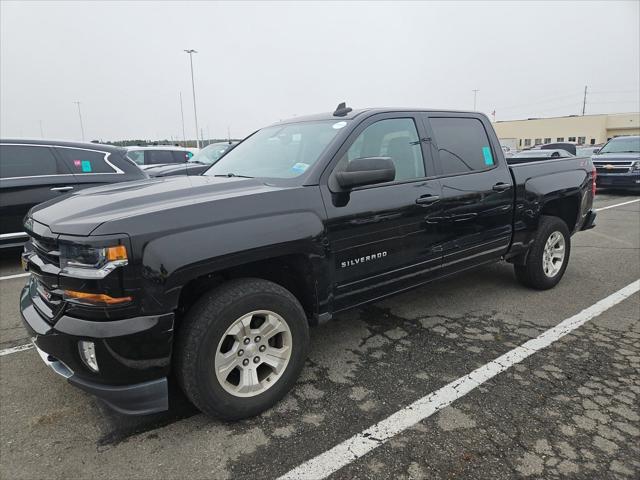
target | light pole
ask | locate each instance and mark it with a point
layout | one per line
(80, 116)
(193, 87)
(475, 97)
(184, 137)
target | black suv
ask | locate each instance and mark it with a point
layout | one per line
(34, 171)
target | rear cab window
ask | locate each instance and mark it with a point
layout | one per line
(18, 161)
(463, 145)
(80, 161)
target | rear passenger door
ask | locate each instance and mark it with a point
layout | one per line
(477, 190)
(29, 175)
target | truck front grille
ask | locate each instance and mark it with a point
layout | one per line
(613, 167)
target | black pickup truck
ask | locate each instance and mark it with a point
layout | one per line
(213, 280)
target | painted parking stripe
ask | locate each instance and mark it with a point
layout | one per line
(617, 205)
(355, 447)
(18, 275)
(19, 348)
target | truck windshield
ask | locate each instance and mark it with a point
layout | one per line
(280, 151)
(622, 145)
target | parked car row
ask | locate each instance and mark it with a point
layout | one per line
(159, 155)
(617, 162)
(36, 171)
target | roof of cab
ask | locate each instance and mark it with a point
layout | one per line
(61, 143)
(371, 111)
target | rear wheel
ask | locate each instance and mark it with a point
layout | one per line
(241, 348)
(548, 256)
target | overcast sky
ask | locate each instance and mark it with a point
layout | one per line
(261, 62)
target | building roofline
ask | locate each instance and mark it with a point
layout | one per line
(569, 116)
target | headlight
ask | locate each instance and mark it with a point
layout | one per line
(91, 262)
(636, 166)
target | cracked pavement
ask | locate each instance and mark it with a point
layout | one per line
(570, 410)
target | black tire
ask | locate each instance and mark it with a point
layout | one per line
(202, 329)
(532, 274)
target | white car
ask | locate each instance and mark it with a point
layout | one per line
(160, 155)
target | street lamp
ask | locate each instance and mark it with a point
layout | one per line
(193, 87)
(80, 116)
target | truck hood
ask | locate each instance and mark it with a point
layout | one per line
(82, 212)
(176, 169)
(605, 157)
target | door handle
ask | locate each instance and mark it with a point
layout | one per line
(427, 199)
(61, 189)
(501, 187)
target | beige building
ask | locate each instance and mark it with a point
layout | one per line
(583, 130)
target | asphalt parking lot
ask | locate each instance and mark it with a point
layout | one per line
(568, 410)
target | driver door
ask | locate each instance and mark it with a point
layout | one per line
(382, 238)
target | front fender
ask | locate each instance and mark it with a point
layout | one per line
(171, 261)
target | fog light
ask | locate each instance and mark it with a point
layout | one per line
(88, 354)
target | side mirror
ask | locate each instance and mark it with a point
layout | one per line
(596, 151)
(366, 171)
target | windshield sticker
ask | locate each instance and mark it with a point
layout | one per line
(86, 166)
(77, 163)
(488, 158)
(338, 125)
(300, 167)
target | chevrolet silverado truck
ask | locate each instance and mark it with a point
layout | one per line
(213, 280)
(618, 163)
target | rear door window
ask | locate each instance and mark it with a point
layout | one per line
(137, 156)
(28, 161)
(181, 156)
(81, 161)
(463, 145)
(155, 157)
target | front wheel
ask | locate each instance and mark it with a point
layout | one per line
(548, 256)
(241, 348)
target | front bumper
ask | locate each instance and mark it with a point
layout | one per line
(629, 180)
(133, 356)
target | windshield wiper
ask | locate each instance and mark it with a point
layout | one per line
(228, 175)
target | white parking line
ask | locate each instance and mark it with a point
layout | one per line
(18, 275)
(618, 205)
(19, 348)
(355, 447)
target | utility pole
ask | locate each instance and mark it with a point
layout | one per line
(193, 87)
(41, 130)
(584, 101)
(184, 137)
(475, 97)
(80, 117)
